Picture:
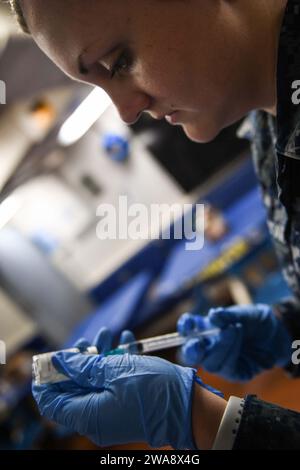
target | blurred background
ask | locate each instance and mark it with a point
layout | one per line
(63, 152)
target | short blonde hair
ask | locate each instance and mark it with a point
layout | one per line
(18, 12)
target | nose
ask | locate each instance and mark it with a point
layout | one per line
(131, 105)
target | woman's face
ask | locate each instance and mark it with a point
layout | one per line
(158, 56)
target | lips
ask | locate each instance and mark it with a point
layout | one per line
(173, 118)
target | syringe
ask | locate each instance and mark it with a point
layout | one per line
(157, 343)
(44, 371)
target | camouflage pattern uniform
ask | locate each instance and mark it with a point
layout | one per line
(276, 155)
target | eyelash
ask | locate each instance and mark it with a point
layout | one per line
(119, 67)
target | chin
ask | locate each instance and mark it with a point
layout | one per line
(201, 136)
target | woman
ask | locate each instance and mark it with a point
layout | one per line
(202, 65)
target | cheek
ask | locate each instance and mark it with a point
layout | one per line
(214, 111)
(160, 84)
(167, 79)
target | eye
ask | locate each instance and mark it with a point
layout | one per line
(123, 64)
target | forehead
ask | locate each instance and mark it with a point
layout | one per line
(64, 29)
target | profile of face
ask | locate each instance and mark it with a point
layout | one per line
(186, 57)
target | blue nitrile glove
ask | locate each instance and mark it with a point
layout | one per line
(122, 398)
(103, 340)
(252, 339)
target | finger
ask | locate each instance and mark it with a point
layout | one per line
(103, 340)
(194, 350)
(186, 324)
(127, 336)
(66, 386)
(82, 344)
(83, 369)
(223, 317)
(224, 351)
(52, 402)
(232, 363)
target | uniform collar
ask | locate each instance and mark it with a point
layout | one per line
(288, 83)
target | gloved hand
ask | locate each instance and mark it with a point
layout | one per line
(251, 340)
(120, 399)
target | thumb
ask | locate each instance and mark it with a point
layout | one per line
(83, 369)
